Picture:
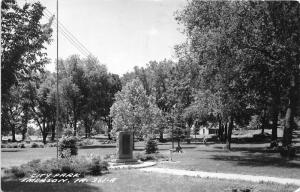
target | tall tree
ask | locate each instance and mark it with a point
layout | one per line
(23, 40)
(134, 111)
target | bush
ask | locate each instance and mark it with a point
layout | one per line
(34, 145)
(21, 145)
(151, 146)
(68, 132)
(4, 146)
(287, 151)
(82, 165)
(26, 169)
(97, 166)
(68, 143)
(13, 145)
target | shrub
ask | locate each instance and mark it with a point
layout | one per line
(14, 145)
(67, 143)
(287, 151)
(21, 145)
(151, 146)
(34, 145)
(82, 165)
(68, 132)
(18, 171)
(4, 146)
(26, 169)
(97, 166)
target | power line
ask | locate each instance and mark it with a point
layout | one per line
(63, 27)
(70, 35)
(67, 36)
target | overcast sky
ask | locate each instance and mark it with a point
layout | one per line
(120, 33)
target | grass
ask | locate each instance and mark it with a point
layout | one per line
(134, 180)
(251, 159)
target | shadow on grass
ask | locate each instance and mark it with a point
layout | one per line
(257, 160)
(97, 146)
(9, 185)
(10, 150)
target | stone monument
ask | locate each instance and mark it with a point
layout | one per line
(125, 148)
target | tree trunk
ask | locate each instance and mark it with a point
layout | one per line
(109, 127)
(188, 134)
(290, 124)
(275, 114)
(225, 131)
(44, 132)
(53, 131)
(132, 140)
(161, 135)
(220, 131)
(230, 128)
(75, 117)
(75, 126)
(263, 121)
(24, 134)
(44, 138)
(13, 133)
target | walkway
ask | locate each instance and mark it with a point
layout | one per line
(230, 176)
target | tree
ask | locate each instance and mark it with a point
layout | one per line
(210, 28)
(23, 40)
(40, 99)
(134, 111)
(11, 112)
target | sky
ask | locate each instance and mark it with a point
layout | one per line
(120, 33)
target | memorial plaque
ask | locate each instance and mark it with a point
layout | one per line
(125, 147)
(126, 144)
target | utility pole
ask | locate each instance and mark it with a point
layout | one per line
(57, 93)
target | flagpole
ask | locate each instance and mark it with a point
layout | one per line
(57, 93)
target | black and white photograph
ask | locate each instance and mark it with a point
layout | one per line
(150, 96)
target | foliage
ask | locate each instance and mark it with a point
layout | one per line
(23, 40)
(79, 164)
(34, 145)
(87, 93)
(255, 122)
(67, 143)
(134, 111)
(151, 146)
(241, 54)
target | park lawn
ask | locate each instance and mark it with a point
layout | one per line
(135, 180)
(16, 156)
(250, 159)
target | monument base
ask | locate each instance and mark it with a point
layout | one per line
(126, 161)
